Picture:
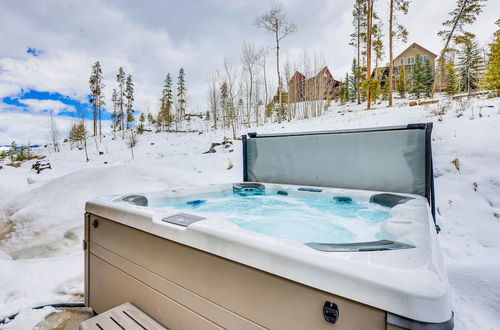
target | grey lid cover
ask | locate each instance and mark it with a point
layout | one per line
(393, 159)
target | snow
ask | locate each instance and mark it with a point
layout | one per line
(41, 260)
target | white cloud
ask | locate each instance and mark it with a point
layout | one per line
(30, 128)
(153, 38)
(36, 105)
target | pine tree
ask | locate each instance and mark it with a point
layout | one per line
(181, 93)
(78, 134)
(13, 147)
(344, 90)
(151, 119)
(165, 117)
(428, 77)
(469, 58)
(353, 83)
(378, 45)
(129, 95)
(140, 127)
(418, 83)
(492, 76)
(97, 96)
(402, 82)
(120, 79)
(115, 116)
(452, 87)
(224, 101)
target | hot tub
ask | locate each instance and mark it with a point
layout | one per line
(257, 255)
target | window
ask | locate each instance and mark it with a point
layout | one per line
(411, 60)
(423, 58)
(402, 61)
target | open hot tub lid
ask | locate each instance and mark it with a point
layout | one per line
(395, 159)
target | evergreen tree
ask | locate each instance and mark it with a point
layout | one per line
(165, 117)
(181, 92)
(78, 134)
(140, 127)
(151, 119)
(115, 116)
(344, 90)
(353, 83)
(452, 86)
(13, 147)
(129, 95)
(492, 75)
(469, 58)
(378, 45)
(120, 98)
(402, 82)
(418, 82)
(224, 101)
(428, 77)
(97, 96)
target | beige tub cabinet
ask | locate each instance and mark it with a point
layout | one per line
(185, 288)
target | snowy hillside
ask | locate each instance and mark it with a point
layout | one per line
(41, 215)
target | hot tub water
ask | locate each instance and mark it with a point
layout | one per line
(322, 220)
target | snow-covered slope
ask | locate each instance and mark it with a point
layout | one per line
(41, 261)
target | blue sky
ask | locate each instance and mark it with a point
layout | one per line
(75, 108)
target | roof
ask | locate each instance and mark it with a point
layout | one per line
(414, 44)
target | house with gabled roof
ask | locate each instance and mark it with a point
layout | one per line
(408, 56)
(320, 87)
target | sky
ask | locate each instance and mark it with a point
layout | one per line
(47, 48)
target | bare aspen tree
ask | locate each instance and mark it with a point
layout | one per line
(132, 141)
(306, 70)
(54, 132)
(398, 31)
(213, 99)
(249, 59)
(257, 102)
(263, 64)
(276, 22)
(288, 75)
(228, 77)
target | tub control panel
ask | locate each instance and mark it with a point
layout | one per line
(182, 219)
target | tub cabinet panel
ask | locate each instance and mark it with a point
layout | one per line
(185, 288)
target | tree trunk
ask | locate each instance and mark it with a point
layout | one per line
(357, 72)
(99, 116)
(391, 64)
(266, 96)
(95, 120)
(280, 101)
(249, 105)
(369, 54)
(85, 147)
